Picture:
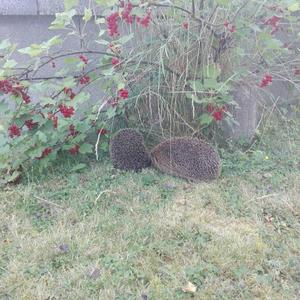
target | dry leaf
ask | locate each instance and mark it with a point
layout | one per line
(189, 288)
(95, 273)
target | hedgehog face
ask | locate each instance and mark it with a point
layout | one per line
(128, 152)
(189, 158)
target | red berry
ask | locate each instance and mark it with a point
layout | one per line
(102, 131)
(123, 93)
(185, 25)
(218, 115)
(84, 59)
(115, 61)
(30, 124)
(72, 130)
(69, 93)
(297, 71)
(45, 153)
(232, 28)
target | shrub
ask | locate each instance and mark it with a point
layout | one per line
(166, 65)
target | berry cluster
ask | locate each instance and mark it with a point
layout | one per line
(30, 124)
(69, 92)
(216, 112)
(297, 71)
(112, 24)
(115, 61)
(145, 21)
(273, 21)
(126, 13)
(66, 111)
(72, 130)
(7, 87)
(266, 81)
(85, 79)
(230, 27)
(74, 150)
(84, 59)
(14, 130)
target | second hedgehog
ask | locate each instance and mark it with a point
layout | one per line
(128, 152)
(188, 158)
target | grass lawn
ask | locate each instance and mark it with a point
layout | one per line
(104, 234)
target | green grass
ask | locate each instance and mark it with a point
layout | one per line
(104, 234)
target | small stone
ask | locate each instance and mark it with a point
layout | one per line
(64, 248)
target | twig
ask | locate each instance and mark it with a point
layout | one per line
(99, 133)
(49, 202)
(100, 194)
(266, 196)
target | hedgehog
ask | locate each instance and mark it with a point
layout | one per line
(189, 158)
(128, 152)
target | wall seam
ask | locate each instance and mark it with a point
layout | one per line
(37, 7)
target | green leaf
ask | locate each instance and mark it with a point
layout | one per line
(42, 136)
(3, 107)
(111, 112)
(206, 119)
(5, 44)
(33, 50)
(212, 71)
(211, 83)
(11, 63)
(86, 148)
(87, 14)
(100, 21)
(225, 3)
(104, 146)
(63, 19)
(70, 3)
(52, 42)
(126, 38)
(106, 2)
(78, 167)
(71, 60)
(108, 72)
(294, 7)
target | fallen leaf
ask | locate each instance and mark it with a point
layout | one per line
(189, 288)
(64, 248)
(95, 273)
